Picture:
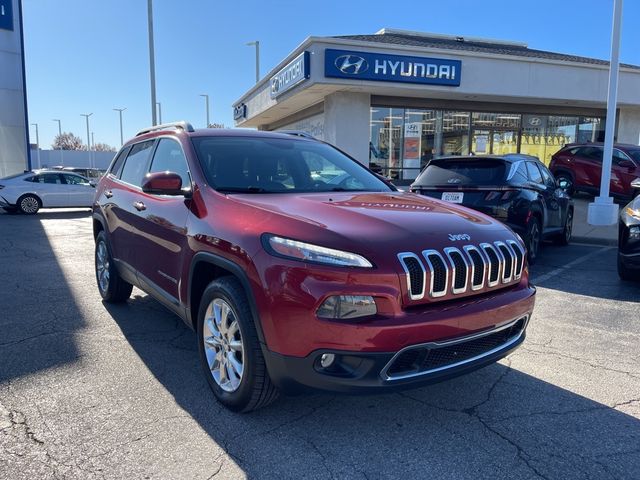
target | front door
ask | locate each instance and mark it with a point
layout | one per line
(80, 191)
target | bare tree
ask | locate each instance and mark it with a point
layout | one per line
(103, 147)
(67, 141)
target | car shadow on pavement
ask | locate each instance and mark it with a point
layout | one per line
(586, 270)
(498, 422)
(38, 312)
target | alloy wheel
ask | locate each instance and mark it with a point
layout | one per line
(102, 266)
(223, 345)
(29, 205)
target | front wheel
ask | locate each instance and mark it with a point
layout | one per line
(229, 349)
(625, 273)
(112, 288)
(565, 237)
(565, 178)
(533, 238)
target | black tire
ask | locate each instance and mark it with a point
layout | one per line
(255, 389)
(29, 204)
(565, 237)
(113, 289)
(571, 189)
(625, 273)
(533, 239)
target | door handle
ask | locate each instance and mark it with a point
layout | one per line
(108, 194)
(139, 206)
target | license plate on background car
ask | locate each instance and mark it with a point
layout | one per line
(453, 197)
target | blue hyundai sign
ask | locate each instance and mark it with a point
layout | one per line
(296, 71)
(391, 68)
(6, 14)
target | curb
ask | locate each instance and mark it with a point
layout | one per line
(607, 242)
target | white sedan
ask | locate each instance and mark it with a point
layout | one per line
(29, 192)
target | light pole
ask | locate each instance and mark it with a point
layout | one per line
(603, 211)
(152, 62)
(206, 98)
(37, 144)
(120, 110)
(257, 45)
(86, 116)
(93, 142)
(60, 137)
(159, 105)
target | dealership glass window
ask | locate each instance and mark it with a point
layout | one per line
(495, 133)
(386, 139)
(590, 129)
(454, 139)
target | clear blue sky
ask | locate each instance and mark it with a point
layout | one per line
(85, 56)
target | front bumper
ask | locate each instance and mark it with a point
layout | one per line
(630, 260)
(411, 367)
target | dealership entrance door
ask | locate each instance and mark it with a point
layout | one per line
(496, 141)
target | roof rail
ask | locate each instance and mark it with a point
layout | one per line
(182, 125)
(297, 133)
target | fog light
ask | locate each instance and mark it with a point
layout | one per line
(327, 359)
(347, 306)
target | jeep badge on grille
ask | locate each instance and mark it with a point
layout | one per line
(459, 236)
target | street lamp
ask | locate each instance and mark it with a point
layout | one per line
(257, 45)
(159, 105)
(93, 142)
(37, 144)
(60, 139)
(86, 116)
(206, 98)
(152, 63)
(120, 110)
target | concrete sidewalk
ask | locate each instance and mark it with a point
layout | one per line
(585, 233)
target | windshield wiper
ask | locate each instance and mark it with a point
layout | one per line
(243, 190)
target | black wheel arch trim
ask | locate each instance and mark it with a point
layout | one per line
(238, 272)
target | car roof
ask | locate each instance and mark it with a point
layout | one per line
(509, 157)
(622, 146)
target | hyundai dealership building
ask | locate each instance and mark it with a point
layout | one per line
(395, 99)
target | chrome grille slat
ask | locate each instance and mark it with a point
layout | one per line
(457, 270)
(416, 292)
(432, 256)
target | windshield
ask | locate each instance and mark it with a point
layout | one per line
(275, 165)
(476, 172)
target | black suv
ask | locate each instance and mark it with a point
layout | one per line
(516, 189)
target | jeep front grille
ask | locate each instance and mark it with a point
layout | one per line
(461, 270)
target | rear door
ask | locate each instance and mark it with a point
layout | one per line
(544, 196)
(161, 225)
(622, 176)
(51, 190)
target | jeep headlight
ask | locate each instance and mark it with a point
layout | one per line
(307, 252)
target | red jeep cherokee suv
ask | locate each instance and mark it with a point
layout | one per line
(298, 267)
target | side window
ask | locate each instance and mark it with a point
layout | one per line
(74, 180)
(534, 173)
(116, 168)
(619, 156)
(548, 178)
(51, 178)
(137, 163)
(594, 154)
(520, 174)
(169, 157)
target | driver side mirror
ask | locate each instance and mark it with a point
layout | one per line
(162, 183)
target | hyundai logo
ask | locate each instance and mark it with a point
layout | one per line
(535, 121)
(351, 64)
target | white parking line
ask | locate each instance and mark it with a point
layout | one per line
(569, 265)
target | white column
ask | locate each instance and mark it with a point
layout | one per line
(346, 123)
(603, 211)
(629, 126)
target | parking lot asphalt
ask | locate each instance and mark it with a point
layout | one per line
(95, 391)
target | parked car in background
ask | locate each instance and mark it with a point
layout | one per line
(629, 238)
(580, 166)
(300, 269)
(90, 173)
(516, 189)
(29, 192)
